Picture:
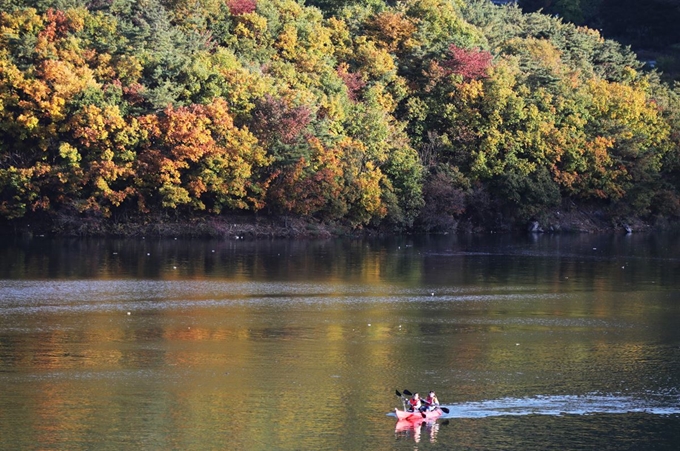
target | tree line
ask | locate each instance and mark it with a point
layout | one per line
(401, 115)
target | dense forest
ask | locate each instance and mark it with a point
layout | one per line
(426, 115)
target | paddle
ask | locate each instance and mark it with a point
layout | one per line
(406, 392)
(403, 400)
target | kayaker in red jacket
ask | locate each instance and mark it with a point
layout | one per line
(414, 403)
(431, 402)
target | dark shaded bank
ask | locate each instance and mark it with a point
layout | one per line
(568, 220)
(236, 227)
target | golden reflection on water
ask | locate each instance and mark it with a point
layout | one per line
(293, 347)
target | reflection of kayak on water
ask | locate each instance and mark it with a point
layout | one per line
(415, 429)
(405, 425)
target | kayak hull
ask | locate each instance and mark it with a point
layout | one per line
(417, 416)
(406, 427)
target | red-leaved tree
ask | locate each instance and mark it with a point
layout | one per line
(352, 80)
(238, 7)
(470, 64)
(275, 119)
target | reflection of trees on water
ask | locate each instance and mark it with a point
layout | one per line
(290, 260)
(585, 261)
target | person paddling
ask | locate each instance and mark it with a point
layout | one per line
(414, 403)
(431, 401)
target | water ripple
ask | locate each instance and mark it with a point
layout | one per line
(566, 405)
(20, 297)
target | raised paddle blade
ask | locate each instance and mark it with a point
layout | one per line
(407, 393)
(398, 394)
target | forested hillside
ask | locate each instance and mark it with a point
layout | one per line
(420, 114)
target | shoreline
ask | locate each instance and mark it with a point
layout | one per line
(264, 226)
(236, 227)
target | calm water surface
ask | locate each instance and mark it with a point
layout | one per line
(534, 343)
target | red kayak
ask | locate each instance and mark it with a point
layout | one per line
(417, 415)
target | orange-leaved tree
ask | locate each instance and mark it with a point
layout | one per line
(195, 156)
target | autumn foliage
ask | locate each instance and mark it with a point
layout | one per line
(470, 64)
(420, 113)
(238, 7)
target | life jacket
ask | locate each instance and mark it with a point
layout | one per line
(430, 400)
(414, 402)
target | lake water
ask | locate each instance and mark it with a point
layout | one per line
(532, 342)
